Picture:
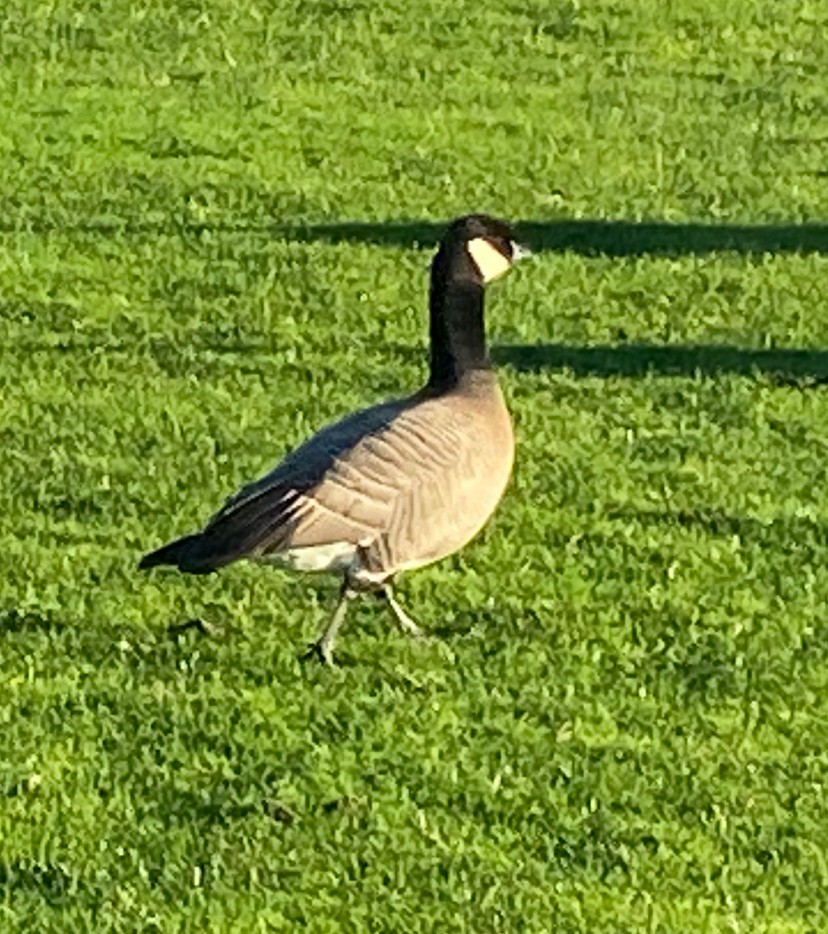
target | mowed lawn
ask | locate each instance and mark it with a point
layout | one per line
(215, 225)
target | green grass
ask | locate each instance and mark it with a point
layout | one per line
(212, 221)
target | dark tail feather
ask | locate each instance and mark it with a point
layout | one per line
(179, 553)
(236, 532)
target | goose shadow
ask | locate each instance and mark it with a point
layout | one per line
(17, 621)
(49, 881)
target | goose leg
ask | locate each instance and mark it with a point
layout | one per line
(323, 647)
(407, 624)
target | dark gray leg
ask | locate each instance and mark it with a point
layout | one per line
(323, 647)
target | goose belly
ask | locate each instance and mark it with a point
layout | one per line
(336, 557)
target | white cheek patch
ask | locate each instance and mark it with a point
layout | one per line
(490, 262)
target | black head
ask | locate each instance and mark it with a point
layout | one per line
(479, 248)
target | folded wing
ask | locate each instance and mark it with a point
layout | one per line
(403, 483)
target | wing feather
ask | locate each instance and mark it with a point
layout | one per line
(401, 482)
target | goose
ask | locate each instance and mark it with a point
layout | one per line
(395, 486)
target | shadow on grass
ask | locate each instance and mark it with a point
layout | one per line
(632, 360)
(590, 237)
(802, 532)
(50, 880)
(16, 621)
(594, 237)
(784, 365)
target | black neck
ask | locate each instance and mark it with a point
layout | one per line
(458, 336)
